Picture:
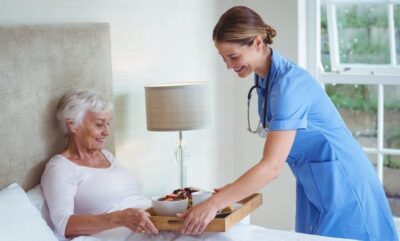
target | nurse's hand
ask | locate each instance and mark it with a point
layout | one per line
(197, 218)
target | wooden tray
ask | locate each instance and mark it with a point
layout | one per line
(218, 224)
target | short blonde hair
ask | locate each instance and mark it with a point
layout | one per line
(242, 25)
(76, 103)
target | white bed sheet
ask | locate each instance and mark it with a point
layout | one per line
(240, 232)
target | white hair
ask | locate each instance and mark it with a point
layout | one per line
(76, 103)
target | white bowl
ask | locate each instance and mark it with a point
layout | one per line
(200, 196)
(168, 208)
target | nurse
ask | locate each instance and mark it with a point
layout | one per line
(338, 191)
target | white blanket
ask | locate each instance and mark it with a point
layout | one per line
(240, 232)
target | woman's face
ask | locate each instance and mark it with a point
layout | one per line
(243, 59)
(94, 130)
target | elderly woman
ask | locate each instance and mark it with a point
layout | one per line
(86, 189)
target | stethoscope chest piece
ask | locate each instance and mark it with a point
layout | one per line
(262, 131)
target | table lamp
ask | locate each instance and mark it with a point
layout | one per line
(178, 107)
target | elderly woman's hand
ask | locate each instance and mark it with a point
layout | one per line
(138, 221)
(198, 217)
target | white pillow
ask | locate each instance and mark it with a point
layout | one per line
(20, 220)
(37, 199)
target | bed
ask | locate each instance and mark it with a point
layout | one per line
(38, 63)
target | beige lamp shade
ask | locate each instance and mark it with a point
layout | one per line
(178, 107)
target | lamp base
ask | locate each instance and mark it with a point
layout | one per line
(182, 157)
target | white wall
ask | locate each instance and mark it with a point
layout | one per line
(278, 210)
(170, 41)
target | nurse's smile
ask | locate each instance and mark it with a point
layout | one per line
(241, 71)
(238, 69)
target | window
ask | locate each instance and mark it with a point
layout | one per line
(358, 60)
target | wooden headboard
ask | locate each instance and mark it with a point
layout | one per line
(38, 64)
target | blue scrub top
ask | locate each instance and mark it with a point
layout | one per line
(338, 193)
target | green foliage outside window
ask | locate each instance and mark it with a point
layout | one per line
(391, 162)
(363, 34)
(357, 16)
(357, 98)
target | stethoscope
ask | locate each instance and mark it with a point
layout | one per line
(263, 125)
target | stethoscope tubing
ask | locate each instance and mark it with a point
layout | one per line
(263, 120)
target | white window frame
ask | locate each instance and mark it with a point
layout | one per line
(350, 73)
(392, 68)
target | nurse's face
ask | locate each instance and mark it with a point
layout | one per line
(242, 59)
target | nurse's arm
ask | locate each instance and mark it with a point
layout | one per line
(276, 150)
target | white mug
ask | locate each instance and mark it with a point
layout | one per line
(200, 196)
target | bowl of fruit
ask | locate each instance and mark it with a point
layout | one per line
(171, 204)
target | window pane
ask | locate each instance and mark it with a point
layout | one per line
(392, 117)
(391, 180)
(363, 33)
(396, 13)
(357, 105)
(325, 54)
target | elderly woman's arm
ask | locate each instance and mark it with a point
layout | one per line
(59, 184)
(135, 219)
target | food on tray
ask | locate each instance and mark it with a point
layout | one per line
(168, 208)
(228, 209)
(177, 201)
(180, 194)
(186, 193)
(172, 197)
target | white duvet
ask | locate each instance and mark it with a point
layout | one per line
(240, 232)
